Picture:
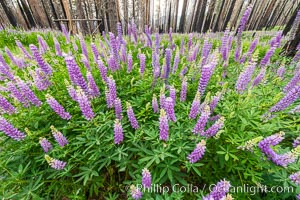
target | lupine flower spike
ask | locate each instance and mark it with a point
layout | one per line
(54, 163)
(45, 144)
(135, 192)
(118, 132)
(131, 116)
(59, 137)
(56, 107)
(198, 152)
(163, 125)
(146, 178)
(10, 131)
(195, 108)
(155, 104)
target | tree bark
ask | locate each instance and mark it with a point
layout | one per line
(39, 13)
(9, 13)
(182, 17)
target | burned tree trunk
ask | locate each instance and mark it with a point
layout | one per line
(209, 16)
(39, 13)
(182, 18)
(9, 13)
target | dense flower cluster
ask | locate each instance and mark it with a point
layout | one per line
(198, 152)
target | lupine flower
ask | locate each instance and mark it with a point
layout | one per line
(183, 90)
(293, 82)
(224, 45)
(168, 64)
(190, 42)
(131, 116)
(162, 97)
(295, 110)
(176, 62)
(280, 72)
(298, 196)
(75, 47)
(259, 77)
(146, 178)
(112, 88)
(75, 74)
(215, 101)
(136, 194)
(83, 47)
(10, 131)
(267, 57)
(157, 43)
(142, 58)
(200, 125)
(4, 69)
(22, 48)
(213, 130)
(295, 177)
(245, 78)
(134, 32)
(27, 92)
(148, 35)
(54, 163)
(65, 32)
(296, 142)
(182, 47)
(40, 80)
(154, 104)
(56, 107)
(173, 93)
(193, 54)
(288, 99)
(42, 44)
(205, 52)
(14, 92)
(251, 50)
(11, 56)
(84, 104)
(118, 108)
(59, 137)
(123, 53)
(219, 191)
(45, 144)
(111, 61)
(163, 125)
(57, 47)
(169, 106)
(93, 88)
(195, 106)
(86, 63)
(129, 63)
(95, 51)
(109, 102)
(198, 152)
(118, 132)
(71, 90)
(114, 48)
(45, 67)
(207, 71)
(6, 106)
(103, 70)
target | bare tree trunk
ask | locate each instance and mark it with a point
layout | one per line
(182, 17)
(39, 13)
(209, 17)
(9, 13)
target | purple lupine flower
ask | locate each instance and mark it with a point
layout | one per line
(252, 47)
(57, 47)
(45, 67)
(11, 56)
(201, 123)
(14, 92)
(95, 51)
(27, 92)
(109, 101)
(75, 74)
(298, 196)
(123, 53)
(198, 152)
(215, 101)
(224, 45)
(157, 42)
(295, 178)
(20, 63)
(4, 69)
(42, 44)
(259, 77)
(45, 144)
(112, 88)
(169, 106)
(103, 70)
(59, 137)
(181, 51)
(205, 77)
(293, 82)
(173, 93)
(183, 90)
(5, 66)
(6, 106)
(131, 116)
(40, 80)
(195, 106)
(245, 78)
(22, 48)
(10, 131)
(114, 48)
(295, 110)
(136, 193)
(112, 63)
(118, 132)
(176, 62)
(280, 72)
(205, 52)
(163, 125)
(219, 191)
(267, 57)
(214, 118)
(162, 97)
(288, 99)
(119, 30)
(193, 54)
(75, 47)
(154, 104)
(146, 178)
(54, 163)
(129, 63)
(71, 90)
(134, 32)
(168, 64)
(83, 47)
(213, 130)
(190, 42)
(170, 35)
(148, 35)
(56, 107)
(275, 42)
(65, 32)
(84, 104)
(142, 58)
(118, 108)
(296, 142)
(86, 63)
(93, 88)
